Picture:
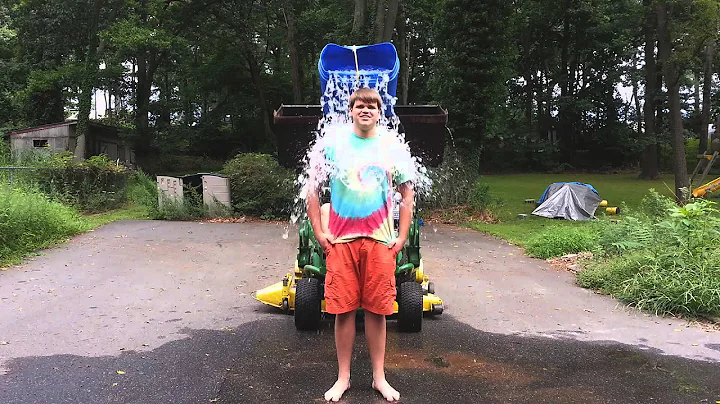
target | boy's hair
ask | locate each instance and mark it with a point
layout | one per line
(367, 95)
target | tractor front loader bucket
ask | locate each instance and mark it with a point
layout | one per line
(424, 127)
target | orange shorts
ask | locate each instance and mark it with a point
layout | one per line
(360, 273)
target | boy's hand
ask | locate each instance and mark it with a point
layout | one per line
(326, 241)
(397, 244)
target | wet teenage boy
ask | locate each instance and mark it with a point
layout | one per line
(361, 247)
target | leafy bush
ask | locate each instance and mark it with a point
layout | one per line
(191, 207)
(453, 182)
(94, 185)
(480, 198)
(259, 186)
(30, 220)
(665, 261)
(142, 190)
(5, 155)
(556, 241)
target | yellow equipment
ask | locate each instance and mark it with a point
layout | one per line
(703, 190)
(705, 162)
(282, 294)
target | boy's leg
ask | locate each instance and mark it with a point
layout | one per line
(378, 297)
(344, 340)
(376, 332)
(342, 298)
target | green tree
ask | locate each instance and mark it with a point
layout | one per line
(684, 29)
(473, 63)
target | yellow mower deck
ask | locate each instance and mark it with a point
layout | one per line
(282, 294)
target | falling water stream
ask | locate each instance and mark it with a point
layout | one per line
(335, 127)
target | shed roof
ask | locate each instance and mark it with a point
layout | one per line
(69, 122)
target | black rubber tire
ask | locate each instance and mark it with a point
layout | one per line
(431, 288)
(307, 304)
(410, 307)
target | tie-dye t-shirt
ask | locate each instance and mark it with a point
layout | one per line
(365, 170)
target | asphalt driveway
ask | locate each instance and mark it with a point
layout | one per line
(146, 311)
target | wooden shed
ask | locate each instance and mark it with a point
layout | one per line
(101, 139)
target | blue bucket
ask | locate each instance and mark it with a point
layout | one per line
(380, 57)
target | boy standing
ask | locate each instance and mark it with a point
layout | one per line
(361, 248)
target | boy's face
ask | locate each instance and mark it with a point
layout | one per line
(365, 115)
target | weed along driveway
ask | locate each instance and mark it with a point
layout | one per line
(156, 312)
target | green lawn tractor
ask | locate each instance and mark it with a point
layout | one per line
(301, 291)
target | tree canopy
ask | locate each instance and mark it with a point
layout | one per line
(529, 85)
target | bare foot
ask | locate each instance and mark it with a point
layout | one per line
(337, 390)
(386, 390)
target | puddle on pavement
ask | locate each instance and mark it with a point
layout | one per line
(459, 364)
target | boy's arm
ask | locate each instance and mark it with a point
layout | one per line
(406, 211)
(313, 211)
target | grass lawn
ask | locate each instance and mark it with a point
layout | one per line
(512, 190)
(130, 212)
(88, 222)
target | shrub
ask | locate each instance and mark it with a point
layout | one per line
(556, 241)
(479, 198)
(656, 206)
(142, 190)
(664, 263)
(93, 185)
(259, 186)
(5, 155)
(453, 182)
(30, 220)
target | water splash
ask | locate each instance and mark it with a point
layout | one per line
(335, 127)
(286, 233)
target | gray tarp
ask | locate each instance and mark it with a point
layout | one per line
(569, 201)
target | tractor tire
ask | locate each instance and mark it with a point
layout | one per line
(307, 304)
(410, 307)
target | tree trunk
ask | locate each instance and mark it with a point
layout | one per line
(380, 20)
(257, 82)
(166, 93)
(390, 19)
(404, 56)
(529, 75)
(358, 28)
(294, 60)
(88, 84)
(649, 160)
(142, 92)
(707, 89)
(564, 124)
(638, 111)
(672, 80)
(550, 129)
(696, 84)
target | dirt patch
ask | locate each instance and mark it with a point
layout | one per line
(569, 262)
(459, 215)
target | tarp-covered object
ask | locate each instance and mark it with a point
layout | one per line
(568, 200)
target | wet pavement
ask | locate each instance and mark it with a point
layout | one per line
(156, 312)
(268, 361)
